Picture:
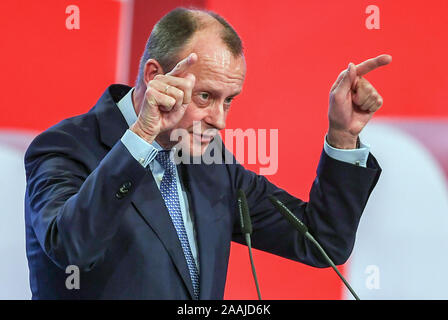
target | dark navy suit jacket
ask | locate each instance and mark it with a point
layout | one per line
(89, 203)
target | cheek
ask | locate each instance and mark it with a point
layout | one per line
(192, 114)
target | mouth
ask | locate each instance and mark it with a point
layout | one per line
(203, 138)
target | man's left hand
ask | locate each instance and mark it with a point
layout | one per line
(353, 101)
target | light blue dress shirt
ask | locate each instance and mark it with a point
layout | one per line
(145, 154)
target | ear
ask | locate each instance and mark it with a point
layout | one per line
(152, 68)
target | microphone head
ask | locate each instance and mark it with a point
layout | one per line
(272, 199)
(246, 224)
(277, 204)
(288, 214)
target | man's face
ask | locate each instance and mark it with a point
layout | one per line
(219, 78)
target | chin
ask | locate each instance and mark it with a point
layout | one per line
(192, 147)
(198, 149)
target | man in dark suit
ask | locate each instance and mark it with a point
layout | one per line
(105, 196)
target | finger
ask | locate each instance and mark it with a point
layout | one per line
(163, 101)
(185, 84)
(370, 103)
(363, 89)
(189, 90)
(371, 64)
(183, 65)
(360, 98)
(168, 90)
(378, 103)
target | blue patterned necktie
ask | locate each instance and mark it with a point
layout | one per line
(168, 189)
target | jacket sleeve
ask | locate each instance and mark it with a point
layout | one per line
(336, 201)
(75, 212)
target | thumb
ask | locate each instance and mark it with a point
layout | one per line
(348, 79)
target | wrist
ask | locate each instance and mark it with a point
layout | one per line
(139, 130)
(342, 140)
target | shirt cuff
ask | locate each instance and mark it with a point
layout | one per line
(141, 150)
(357, 157)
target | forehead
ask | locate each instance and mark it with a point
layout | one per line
(215, 62)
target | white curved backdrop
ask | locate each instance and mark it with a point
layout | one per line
(14, 282)
(402, 240)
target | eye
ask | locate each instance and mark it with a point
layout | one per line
(204, 96)
(229, 100)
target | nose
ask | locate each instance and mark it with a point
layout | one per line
(217, 116)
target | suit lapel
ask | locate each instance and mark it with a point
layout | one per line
(149, 203)
(147, 199)
(111, 122)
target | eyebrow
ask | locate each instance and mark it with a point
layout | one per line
(216, 92)
(234, 95)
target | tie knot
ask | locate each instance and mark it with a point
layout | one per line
(165, 160)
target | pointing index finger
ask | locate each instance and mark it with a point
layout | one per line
(183, 65)
(371, 64)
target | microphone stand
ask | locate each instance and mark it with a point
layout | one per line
(302, 228)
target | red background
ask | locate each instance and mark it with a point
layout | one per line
(294, 52)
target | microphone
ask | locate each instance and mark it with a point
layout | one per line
(246, 225)
(301, 227)
(246, 229)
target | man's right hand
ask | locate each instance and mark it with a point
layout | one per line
(166, 99)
